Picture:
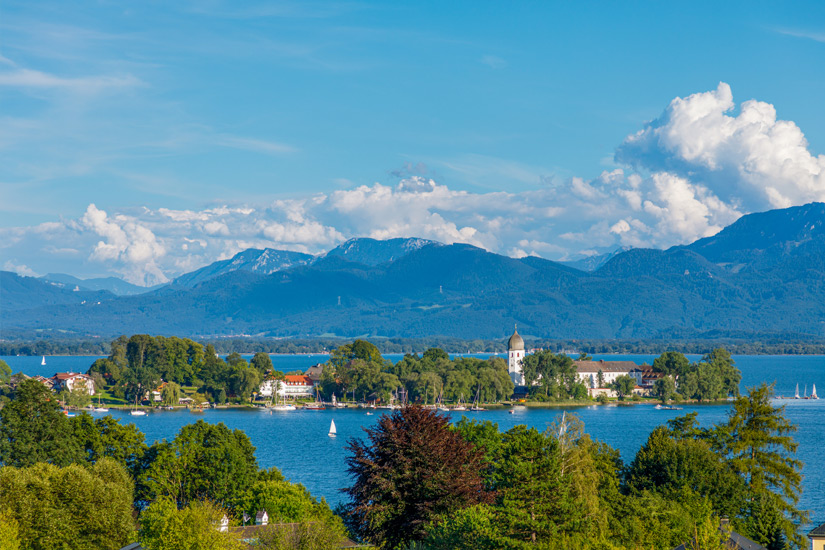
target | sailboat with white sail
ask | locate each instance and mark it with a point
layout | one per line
(283, 405)
(476, 403)
(796, 395)
(43, 360)
(332, 431)
(813, 393)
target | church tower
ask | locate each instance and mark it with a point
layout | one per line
(515, 354)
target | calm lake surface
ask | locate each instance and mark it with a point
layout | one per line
(297, 442)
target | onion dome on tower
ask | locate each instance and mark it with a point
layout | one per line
(515, 343)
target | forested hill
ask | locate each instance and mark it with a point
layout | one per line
(763, 274)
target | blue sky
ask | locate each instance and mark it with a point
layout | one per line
(148, 138)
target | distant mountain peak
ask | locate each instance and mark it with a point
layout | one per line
(368, 251)
(254, 260)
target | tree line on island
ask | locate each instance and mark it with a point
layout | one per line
(176, 366)
(417, 482)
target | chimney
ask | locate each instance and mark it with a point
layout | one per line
(724, 524)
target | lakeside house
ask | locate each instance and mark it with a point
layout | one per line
(299, 385)
(269, 387)
(296, 385)
(71, 381)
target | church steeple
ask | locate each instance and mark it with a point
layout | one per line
(515, 353)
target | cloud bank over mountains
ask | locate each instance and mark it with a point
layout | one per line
(683, 176)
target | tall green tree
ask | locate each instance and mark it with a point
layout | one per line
(664, 388)
(758, 441)
(671, 466)
(673, 363)
(411, 469)
(623, 386)
(204, 461)
(33, 429)
(262, 362)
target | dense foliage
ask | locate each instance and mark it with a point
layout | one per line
(358, 368)
(139, 364)
(74, 507)
(560, 489)
(75, 483)
(552, 376)
(713, 377)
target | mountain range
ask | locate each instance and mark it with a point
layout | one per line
(762, 274)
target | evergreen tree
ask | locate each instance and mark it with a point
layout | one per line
(757, 439)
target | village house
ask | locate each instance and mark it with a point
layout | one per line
(157, 394)
(269, 387)
(72, 380)
(315, 372)
(43, 380)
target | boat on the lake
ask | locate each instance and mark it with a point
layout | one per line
(332, 431)
(43, 360)
(137, 413)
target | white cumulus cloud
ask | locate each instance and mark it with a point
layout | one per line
(685, 175)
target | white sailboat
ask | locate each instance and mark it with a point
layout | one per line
(813, 393)
(796, 395)
(283, 406)
(43, 360)
(332, 431)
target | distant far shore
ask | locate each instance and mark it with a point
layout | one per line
(756, 344)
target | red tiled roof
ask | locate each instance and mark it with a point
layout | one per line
(298, 379)
(67, 375)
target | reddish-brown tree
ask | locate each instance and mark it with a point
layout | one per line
(412, 469)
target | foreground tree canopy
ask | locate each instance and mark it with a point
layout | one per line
(560, 489)
(76, 483)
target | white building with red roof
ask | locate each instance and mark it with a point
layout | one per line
(296, 385)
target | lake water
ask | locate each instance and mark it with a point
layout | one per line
(297, 442)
